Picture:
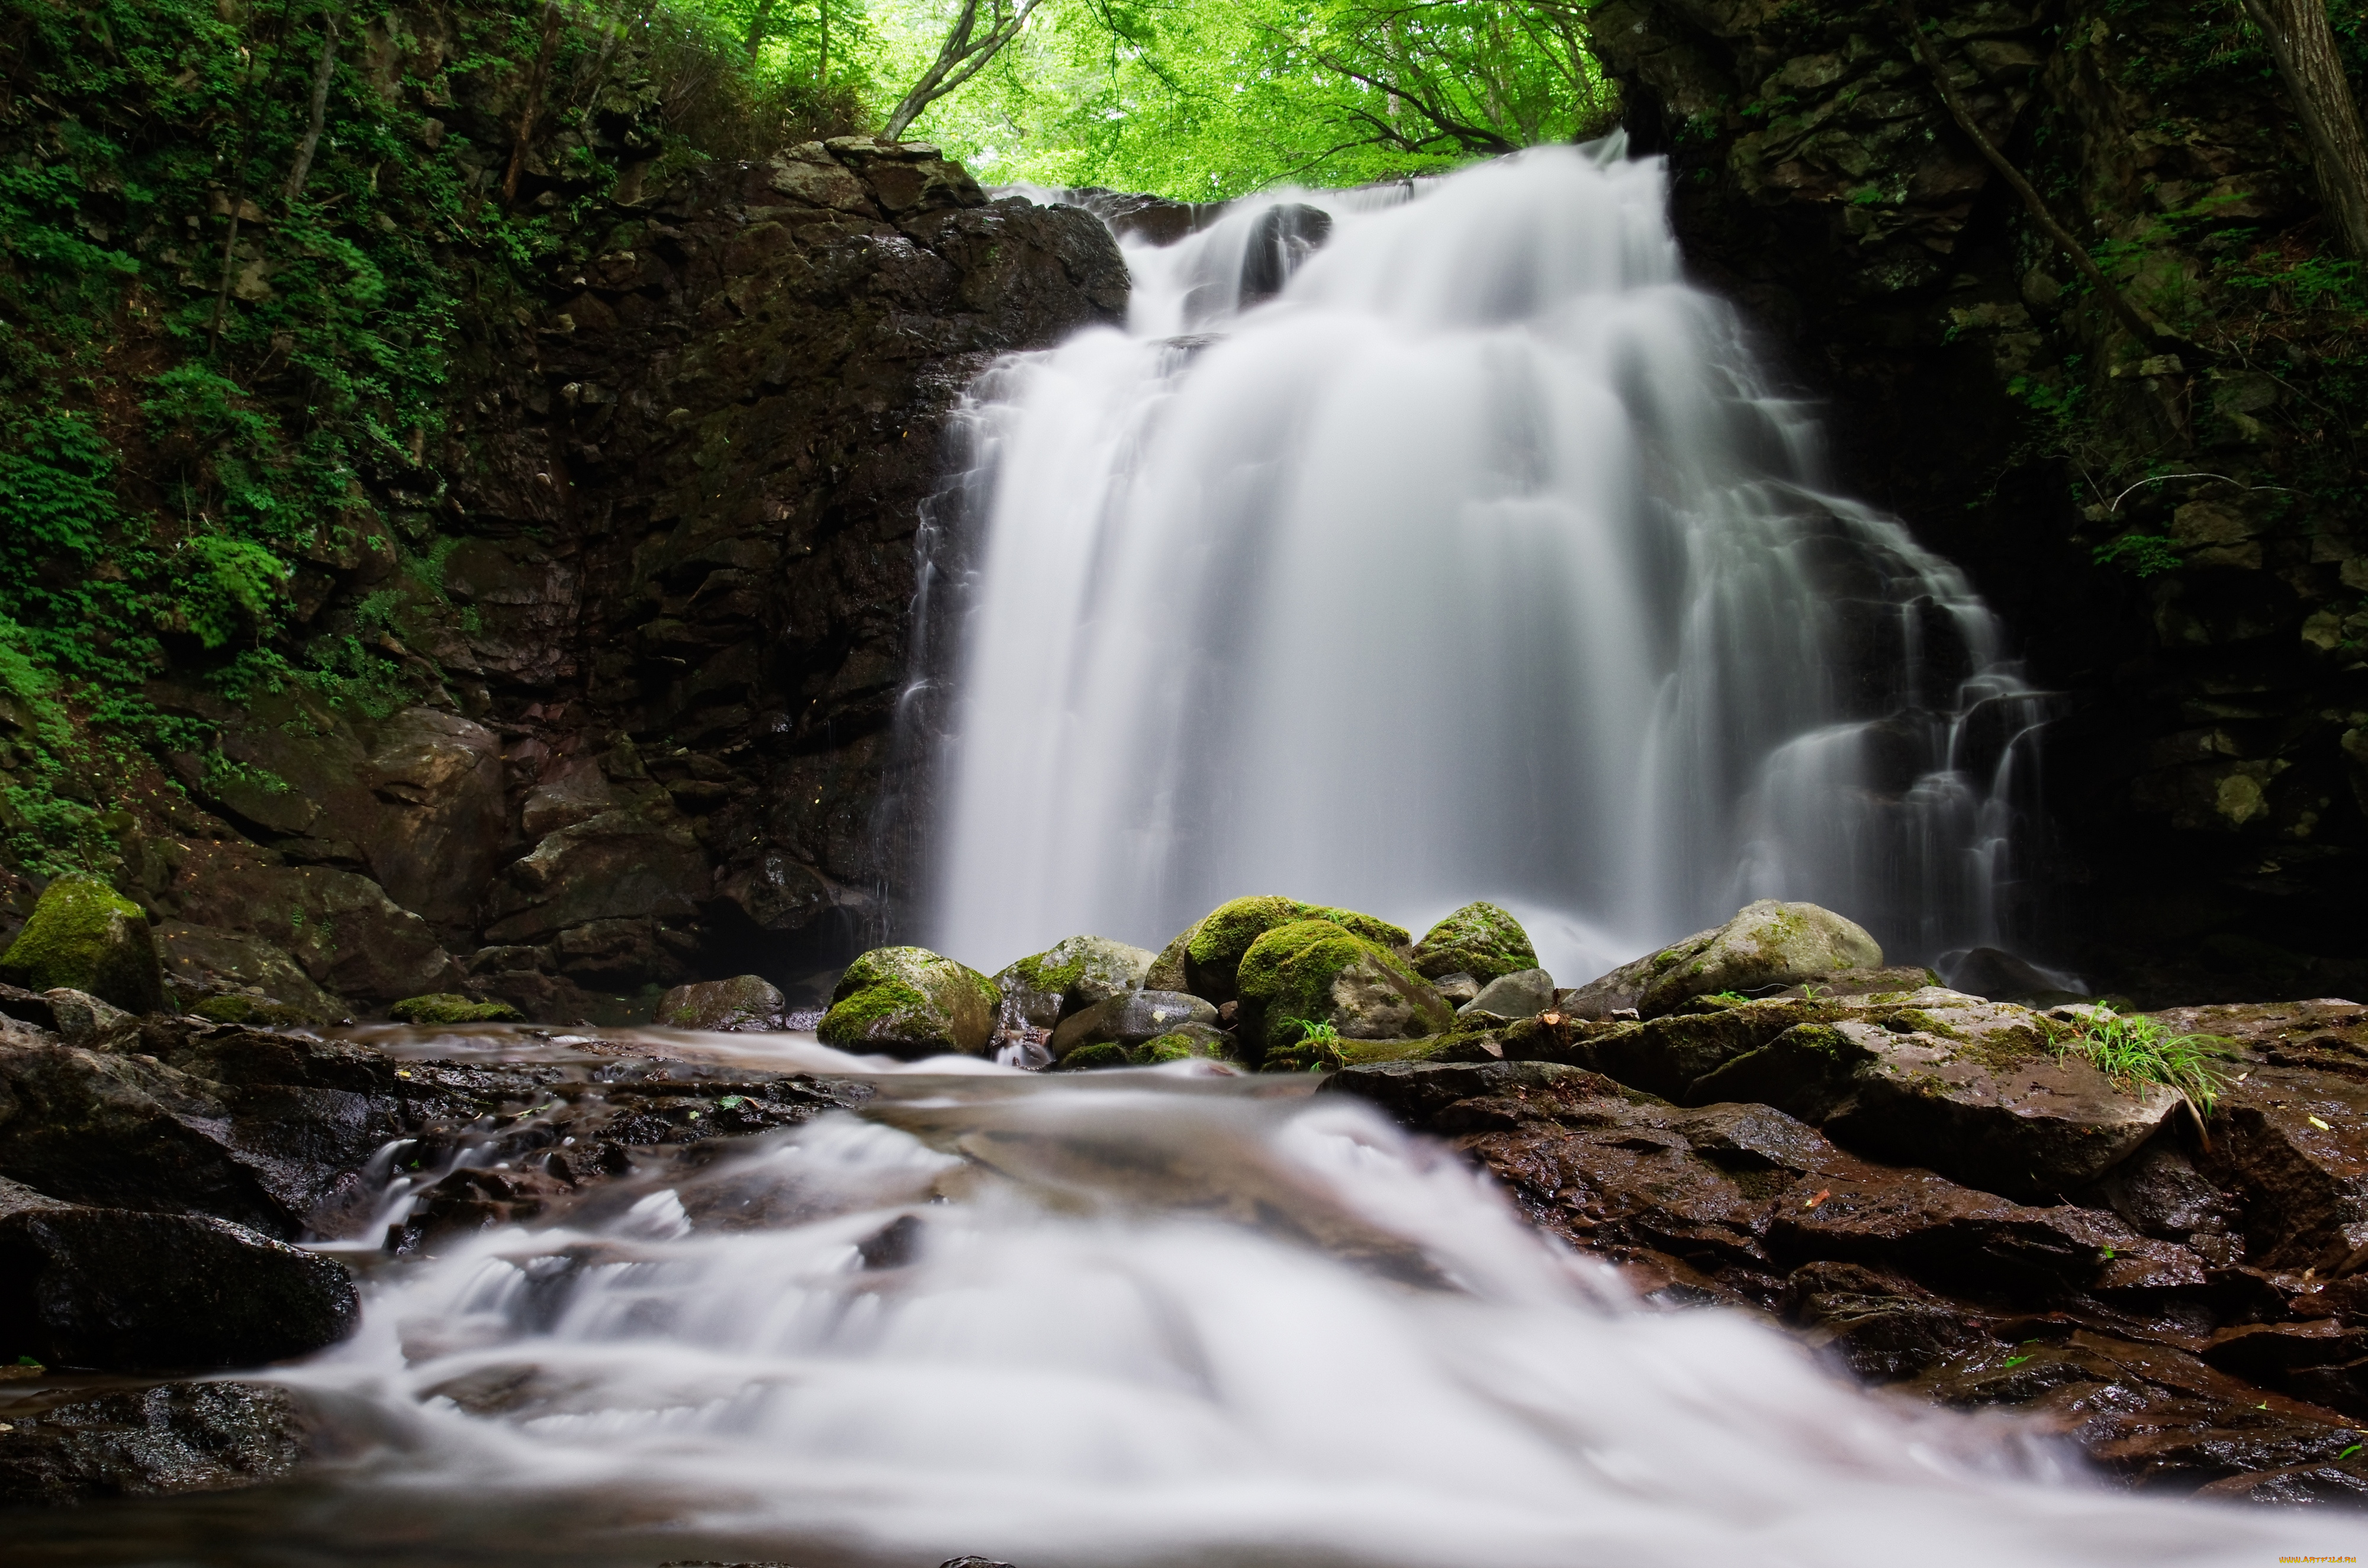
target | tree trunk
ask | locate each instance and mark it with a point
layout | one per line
(550, 20)
(302, 169)
(2303, 44)
(757, 29)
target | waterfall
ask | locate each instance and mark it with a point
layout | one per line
(1437, 542)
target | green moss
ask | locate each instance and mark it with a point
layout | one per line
(445, 1007)
(909, 997)
(86, 937)
(255, 1011)
(1182, 1045)
(1226, 933)
(1286, 977)
(1103, 1053)
(883, 998)
(1481, 941)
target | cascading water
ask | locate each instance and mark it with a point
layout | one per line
(1478, 560)
(1155, 1318)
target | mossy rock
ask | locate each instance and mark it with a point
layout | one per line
(912, 1003)
(1319, 972)
(1212, 950)
(83, 935)
(1191, 1042)
(1103, 1053)
(1767, 946)
(256, 1012)
(446, 1007)
(1072, 974)
(1481, 941)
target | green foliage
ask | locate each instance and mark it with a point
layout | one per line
(2141, 555)
(1205, 102)
(2140, 1049)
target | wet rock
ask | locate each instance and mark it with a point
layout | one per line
(120, 1290)
(81, 1018)
(2339, 1482)
(1975, 1090)
(910, 1002)
(72, 1445)
(1283, 236)
(1767, 945)
(742, 1004)
(1456, 989)
(450, 1007)
(437, 820)
(1319, 971)
(1481, 941)
(207, 963)
(620, 865)
(1206, 958)
(340, 927)
(1881, 1326)
(1077, 973)
(1523, 994)
(2160, 1193)
(1893, 980)
(20, 1006)
(83, 935)
(1131, 1018)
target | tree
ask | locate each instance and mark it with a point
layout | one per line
(963, 54)
(2303, 43)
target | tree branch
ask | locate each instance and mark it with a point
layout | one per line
(302, 169)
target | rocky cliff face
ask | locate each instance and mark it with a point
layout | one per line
(674, 522)
(2175, 536)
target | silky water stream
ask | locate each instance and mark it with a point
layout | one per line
(1156, 1317)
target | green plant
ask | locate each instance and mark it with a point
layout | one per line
(2141, 555)
(2132, 1047)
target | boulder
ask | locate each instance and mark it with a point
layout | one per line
(1319, 971)
(1205, 959)
(1976, 1090)
(256, 980)
(438, 819)
(450, 1007)
(1073, 973)
(912, 1003)
(20, 1006)
(744, 1003)
(1481, 941)
(1456, 989)
(1131, 1018)
(85, 936)
(75, 1445)
(1523, 994)
(620, 865)
(81, 1018)
(348, 935)
(119, 1291)
(1766, 947)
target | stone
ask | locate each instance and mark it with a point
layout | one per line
(1205, 960)
(436, 831)
(744, 1003)
(85, 936)
(1481, 941)
(1975, 1090)
(912, 1003)
(576, 795)
(1896, 979)
(79, 1446)
(450, 1007)
(1319, 971)
(1523, 994)
(119, 1291)
(207, 963)
(20, 1006)
(348, 935)
(1130, 1018)
(81, 1018)
(619, 865)
(1073, 973)
(1766, 947)
(1456, 989)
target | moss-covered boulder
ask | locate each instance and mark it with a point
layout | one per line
(1131, 1018)
(912, 1003)
(1767, 946)
(449, 1007)
(1481, 941)
(83, 935)
(1318, 975)
(1187, 1043)
(1071, 975)
(744, 1003)
(1206, 958)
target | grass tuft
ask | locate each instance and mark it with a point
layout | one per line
(2132, 1047)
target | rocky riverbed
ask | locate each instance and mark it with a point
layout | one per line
(1943, 1193)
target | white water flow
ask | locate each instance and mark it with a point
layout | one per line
(1479, 562)
(1137, 1318)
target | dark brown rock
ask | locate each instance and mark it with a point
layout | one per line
(75, 1445)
